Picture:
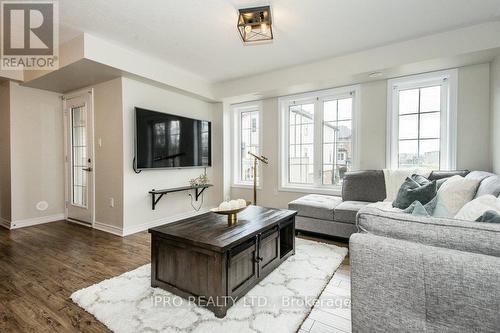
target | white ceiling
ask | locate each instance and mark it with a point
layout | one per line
(200, 36)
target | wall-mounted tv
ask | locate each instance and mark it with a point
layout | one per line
(169, 141)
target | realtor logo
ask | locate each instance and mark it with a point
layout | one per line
(30, 34)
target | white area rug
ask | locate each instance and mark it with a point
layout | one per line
(279, 303)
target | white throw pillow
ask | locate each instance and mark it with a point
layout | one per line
(477, 207)
(456, 192)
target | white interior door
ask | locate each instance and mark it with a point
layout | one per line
(79, 158)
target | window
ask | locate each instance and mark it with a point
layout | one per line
(317, 145)
(246, 138)
(422, 121)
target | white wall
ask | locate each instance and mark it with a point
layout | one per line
(473, 132)
(108, 129)
(495, 114)
(5, 202)
(137, 201)
(37, 164)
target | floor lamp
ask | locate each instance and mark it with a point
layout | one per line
(256, 158)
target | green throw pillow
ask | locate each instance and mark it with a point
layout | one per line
(435, 208)
(415, 188)
(490, 216)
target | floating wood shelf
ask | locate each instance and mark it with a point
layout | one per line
(156, 195)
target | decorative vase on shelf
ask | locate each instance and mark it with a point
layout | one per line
(200, 180)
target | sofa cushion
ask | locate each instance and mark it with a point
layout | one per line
(440, 174)
(455, 234)
(366, 185)
(479, 175)
(316, 205)
(489, 185)
(347, 210)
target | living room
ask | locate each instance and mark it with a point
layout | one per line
(261, 166)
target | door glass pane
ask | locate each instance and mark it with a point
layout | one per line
(79, 156)
(430, 125)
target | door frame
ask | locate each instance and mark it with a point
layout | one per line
(67, 172)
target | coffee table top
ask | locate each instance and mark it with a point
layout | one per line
(210, 230)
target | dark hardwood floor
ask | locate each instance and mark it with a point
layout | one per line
(41, 266)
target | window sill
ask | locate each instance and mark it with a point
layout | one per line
(335, 191)
(245, 186)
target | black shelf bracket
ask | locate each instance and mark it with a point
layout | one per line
(156, 195)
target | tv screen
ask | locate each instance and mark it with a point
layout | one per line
(169, 141)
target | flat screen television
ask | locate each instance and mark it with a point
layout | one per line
(169, 141)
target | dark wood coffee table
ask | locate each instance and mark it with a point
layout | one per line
(206, 261)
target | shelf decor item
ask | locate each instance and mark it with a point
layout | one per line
(231, 209)
(200, 180)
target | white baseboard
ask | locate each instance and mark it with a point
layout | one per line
(145, 226)
(35, 221)
(108, 228)
(4, 223)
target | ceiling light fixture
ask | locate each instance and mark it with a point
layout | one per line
(255, 25)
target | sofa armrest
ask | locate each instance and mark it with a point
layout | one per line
(401, 286)
(368, 186)
(476, 237)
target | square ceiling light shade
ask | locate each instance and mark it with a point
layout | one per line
(255, 25)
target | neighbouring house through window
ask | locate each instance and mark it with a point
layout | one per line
(318, 142)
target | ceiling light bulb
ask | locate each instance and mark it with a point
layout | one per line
(263, 28)
(248, 28)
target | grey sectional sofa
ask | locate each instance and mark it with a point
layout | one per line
(425, 274)
(336, 215)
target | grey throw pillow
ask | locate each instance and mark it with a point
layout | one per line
(415, 188)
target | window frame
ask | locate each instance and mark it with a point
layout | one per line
(318, 98)
(236, 111)
(448, 80)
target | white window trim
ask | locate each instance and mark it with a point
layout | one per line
(236, 110)
(317, 97)
(448, 147)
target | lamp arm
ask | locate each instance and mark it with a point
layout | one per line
(263, 159)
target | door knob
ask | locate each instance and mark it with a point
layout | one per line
(89, 169)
